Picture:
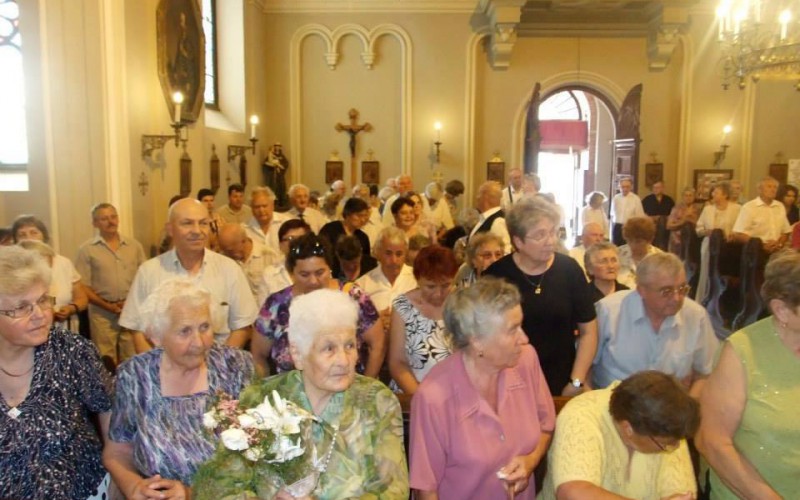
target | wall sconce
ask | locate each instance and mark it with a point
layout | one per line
(234, 151)
(438, 143)
(719, 156)
(152, 143)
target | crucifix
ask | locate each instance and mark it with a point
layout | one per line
(353, 129)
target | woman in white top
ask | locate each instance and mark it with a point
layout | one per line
(593, 211)
(721, 213)
(639, 232)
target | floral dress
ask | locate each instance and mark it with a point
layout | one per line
(426, 341)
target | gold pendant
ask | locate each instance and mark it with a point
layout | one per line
(538, 290)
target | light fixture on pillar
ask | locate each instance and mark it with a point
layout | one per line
(234, 151)
(438, 143)
(719, 156)
(152, 143)
(757, 38)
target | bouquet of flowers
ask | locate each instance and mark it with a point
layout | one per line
(276, 434)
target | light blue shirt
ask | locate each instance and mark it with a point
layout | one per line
(628, 344)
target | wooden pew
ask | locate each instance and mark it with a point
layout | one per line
(690, 256)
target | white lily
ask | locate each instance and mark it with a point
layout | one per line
(246, 421)
(210, 420)
(284, 449)
(234, 439)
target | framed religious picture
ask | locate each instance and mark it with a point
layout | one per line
(779, 171)
(653, 172)
(496, 171)
(704, 180)
(334, 171)
(181, 55)
(370, 172)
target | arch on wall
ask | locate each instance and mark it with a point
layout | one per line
(331, 38)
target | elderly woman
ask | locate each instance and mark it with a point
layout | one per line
(556, 298)
(483, 250)
(602, 265)
(155, 440)
(309, 263)
(65, 284)
(359, 422)
(749, 433)
(417, 339)
(491, 386)
(593, 211)
(720, 213)
(685, 211)
(625, 441)
(50, 382)
(639, 233)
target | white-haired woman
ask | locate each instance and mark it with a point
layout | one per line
(360, 424)
(593, 211)
(482, 419)
(156, 440)
(50, 382)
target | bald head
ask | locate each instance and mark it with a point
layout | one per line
(489, 195)
(404, 184)
(188, 225)
(592, 233)
(232, 239)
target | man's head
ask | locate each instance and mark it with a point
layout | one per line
(658, 188)
(404, 184)
(339, 188)
(661, 281)
(390, 250)
(298, 196)
(768, 189)
(515, 178)
(236, 196)
(489, 195)
(348, 252)
(531, 184)
(454, 188)
(736, 190)
(105, 219)
(361, 191)
(188, 225)
(592, 233)
(206, 197)
(233, 242)
(262, 201)
(290, 231)
(625, 186)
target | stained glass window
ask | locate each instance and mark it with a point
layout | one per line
(13, 131)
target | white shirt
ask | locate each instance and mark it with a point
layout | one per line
(380, 291)
(598, 215)
(499, 227)
(441, 216)
(713, 218)
(276, 278)
(373, 227)
(625, 207)
(232, 303)
(510, 197)
(311, 216)
(759, 220)
(254, 267)
(627, 267)
(269, 239)
(578, 253)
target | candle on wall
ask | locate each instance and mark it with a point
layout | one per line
(726, 130)
(438, 127)
(177, 98)
(784, 19)
(253, 123)
(721, 21)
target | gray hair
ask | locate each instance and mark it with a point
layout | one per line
(782, 278)
(21, 269)
(724, 186)
(101, 206)
(385, 193)
(533, 179)
(262, 191)
(155, 310)
(594, 250)
(480, 239)
(477, 311)
(388, 236)
(655, 264)
(594, 195)
(306, 322)
(529, 212)
(39, 247)
(433, 191)
(296, 187)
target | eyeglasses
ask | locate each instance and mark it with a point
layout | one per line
(540, 236)
(668, 291)
(23, 311)
(303, 252)
(666, 448)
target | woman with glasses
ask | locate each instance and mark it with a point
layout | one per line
(51, 380)
(416, 336)
(625, 441)
(483, 250)
(309, 264)
(639, 233)
(556, 299)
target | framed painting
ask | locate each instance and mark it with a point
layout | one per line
(496, 171)
(180, 42)
(370, 172)
(704, 180)
(334, 171)
(653, 172)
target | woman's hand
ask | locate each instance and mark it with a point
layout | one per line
(63, 313)
(517, 472)
(157, 487)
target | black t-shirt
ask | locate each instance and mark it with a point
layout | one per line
(334, 230)
(652, 206)
(551, 318)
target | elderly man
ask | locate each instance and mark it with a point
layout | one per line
(763, 217)
(492, 217)
(263, 226)
(624, 205)
(299, 197)
(513, 192)
(233, 306)
(392, 277)
(654, 327)
(107, 264)
(592, 233)
(235, 211)
(252, 256)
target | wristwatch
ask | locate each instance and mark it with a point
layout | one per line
(576, 383)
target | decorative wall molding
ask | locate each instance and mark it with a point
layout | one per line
(369, 39)
(474, 45)
(504, 17)
(328, 6)
(664, 35)
(687, 84)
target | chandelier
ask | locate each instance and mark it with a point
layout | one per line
(758, 38)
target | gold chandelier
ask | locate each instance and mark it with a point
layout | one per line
(758, 38)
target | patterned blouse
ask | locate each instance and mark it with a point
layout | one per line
(367, 461)
(166, 431)
(273, 322)
(51, 450)
(426, 341)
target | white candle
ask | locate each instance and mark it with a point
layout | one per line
(438, 127)
(177, 98)
(784, 19)
(253, 123)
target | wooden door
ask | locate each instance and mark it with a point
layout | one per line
(533, 137)
(626, 145)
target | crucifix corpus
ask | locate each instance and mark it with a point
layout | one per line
(353, 129)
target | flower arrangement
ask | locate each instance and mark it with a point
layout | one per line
(276, 434)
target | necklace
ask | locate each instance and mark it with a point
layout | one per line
(14, 374)
(537, 287)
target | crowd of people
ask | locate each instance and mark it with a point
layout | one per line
(346, 305)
